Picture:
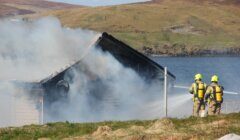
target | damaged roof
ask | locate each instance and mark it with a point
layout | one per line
(125, 54)
(130, 57)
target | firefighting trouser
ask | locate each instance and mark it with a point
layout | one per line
(197, 106)
(214, 108)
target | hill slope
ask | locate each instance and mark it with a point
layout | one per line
(190, 128)
(22, 7)
(175, 27)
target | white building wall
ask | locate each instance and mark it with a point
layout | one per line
(25, 112)
(16, 108)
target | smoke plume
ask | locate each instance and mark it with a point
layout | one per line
(31, 51)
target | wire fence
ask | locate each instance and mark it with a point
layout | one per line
(231, 106)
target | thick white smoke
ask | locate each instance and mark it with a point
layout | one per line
(121, 94)
(31, 51)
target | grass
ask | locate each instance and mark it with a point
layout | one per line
(211, 127)
(60, 130)
(211, 25)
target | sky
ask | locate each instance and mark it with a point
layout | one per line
(98, 2)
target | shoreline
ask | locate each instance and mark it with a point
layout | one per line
(204, 55)
(224, 52)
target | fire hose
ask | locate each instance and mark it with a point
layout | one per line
(225, 92)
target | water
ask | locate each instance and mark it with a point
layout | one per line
(184, 68)
(98, 2)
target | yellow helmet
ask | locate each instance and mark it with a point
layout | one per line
(198, 76)
(214, 78)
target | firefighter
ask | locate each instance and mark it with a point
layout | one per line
(214, 96)
(198, 89)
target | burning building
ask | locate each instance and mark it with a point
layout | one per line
(56, 87)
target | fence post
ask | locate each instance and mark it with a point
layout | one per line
(42, 109)
(165, 91)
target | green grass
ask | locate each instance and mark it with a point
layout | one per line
(204, 128)
(61, 129)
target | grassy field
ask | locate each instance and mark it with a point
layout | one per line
(166, 27)
(190, 128)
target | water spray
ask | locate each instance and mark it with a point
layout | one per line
(226, 92)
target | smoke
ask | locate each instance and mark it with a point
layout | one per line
(30, 52)
(33, 50)
(101, 88)
(112, 92)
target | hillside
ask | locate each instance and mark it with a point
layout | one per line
(22, 7)
(190, 128)
(166, 27)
